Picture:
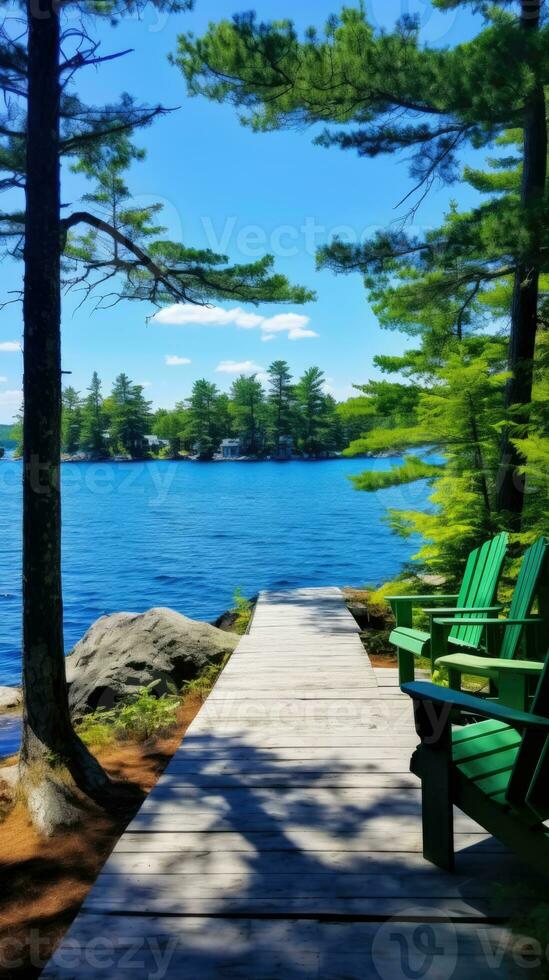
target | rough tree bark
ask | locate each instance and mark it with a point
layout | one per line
(53, 759)
(524, 309)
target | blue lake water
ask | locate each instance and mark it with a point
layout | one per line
(185, 535)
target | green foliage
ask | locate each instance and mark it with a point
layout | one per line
(172, 427)
(93, 419)
(305, 413)
(455, 288)
(207, 418)
(409, 471)
(389, 92)
(127, 241)
(145, 715)
(112, 247)
(138, 718)
(7, 439)
(97, 729)
(249, 414)
(201, 686)
(459, 413)
(317, 421)
(243, 610)
(130, 416)
(280, 400)
(17, 434)
(72, 420)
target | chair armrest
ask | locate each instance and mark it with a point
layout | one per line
(419, 599)
(402, 606)
(422, 691)
(487, 622)
(526, 667)
(451, 610)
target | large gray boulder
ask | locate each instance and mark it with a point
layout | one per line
(125, 651)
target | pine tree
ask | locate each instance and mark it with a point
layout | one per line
(458, 414)
(204, 426)
(312, 405)
(280, 400)
(44, 120)
(248, 404)
(130, 417)
(92, 436)
(446, 289)
(71, 420)
(379, 404)
(392, 95)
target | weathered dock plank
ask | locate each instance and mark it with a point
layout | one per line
(283, 839)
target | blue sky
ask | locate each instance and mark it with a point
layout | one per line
(245, 195)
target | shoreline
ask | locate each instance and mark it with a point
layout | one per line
(242, 459)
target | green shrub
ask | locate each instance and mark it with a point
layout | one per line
(203, 684)
(144, 715)
(242, 609)
(137, 718)
(97, 728)
(377, 598)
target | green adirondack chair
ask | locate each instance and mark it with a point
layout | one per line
(496, 771)
(475, 597)
(504, 637)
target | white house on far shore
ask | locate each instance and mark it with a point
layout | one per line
(153, 442)
(285, 448)
(230, 449)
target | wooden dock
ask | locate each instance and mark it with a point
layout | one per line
(284, 839)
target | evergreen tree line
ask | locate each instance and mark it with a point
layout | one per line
(267, 419)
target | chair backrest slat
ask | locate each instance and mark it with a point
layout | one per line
(483, 572)
(468, 576)
(532, 570)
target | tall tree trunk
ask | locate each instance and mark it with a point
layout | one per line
(524, 308)
(50, 751)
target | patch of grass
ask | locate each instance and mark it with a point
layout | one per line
(97, 728)
(143, 716)
(201, 686)
(136, 719)
(242, 609)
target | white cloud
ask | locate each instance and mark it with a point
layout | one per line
(299, 334)
(239, 367)
(10, 346)
(293, 324)
(268, 336)
(183, 313)
(3, 380)
(172, 360)
(145, 384)
(284, 323)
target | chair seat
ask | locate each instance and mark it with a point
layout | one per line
(487, 666)
(469, 663)
(485, 754)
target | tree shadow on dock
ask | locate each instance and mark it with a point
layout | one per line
(284, 876)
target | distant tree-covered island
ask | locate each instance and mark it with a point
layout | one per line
(277, 418)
